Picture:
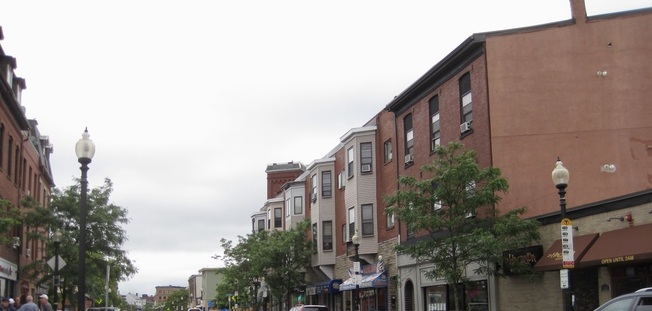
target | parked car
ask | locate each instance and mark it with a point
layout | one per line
(640, 300)
(309, 308)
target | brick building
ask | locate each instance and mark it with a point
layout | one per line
(576, 89)
(24, 171)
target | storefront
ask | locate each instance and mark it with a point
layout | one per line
(8, 275)
(371, 292)
(607, 264)
(420, 292)
(324, 293)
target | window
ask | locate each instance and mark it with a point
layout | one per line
(278, 221)
(298, 205)
(351, 222)
(388, 151)
(409, 135)
(313, 184)
(344, 239)
(327, 235)
(326, 184)
(351, 157)
(435, 134)
(390, 220)
(261, 225)
(287, 207)
(2, 142)
(9, 151)
(365, 157)
(16, 161)
(466, 99)
(341, 180)
(367, 219)
(314, 237)
(10, 74)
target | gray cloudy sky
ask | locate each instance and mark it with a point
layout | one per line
(188, 101)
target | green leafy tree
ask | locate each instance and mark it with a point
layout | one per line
(278, 257)
(177, 301)
(9, 218)
(104, 237)
(453, 214)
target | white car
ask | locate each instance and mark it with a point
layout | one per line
(309, 308)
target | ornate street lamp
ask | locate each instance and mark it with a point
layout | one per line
(57, 244)
(356, 244)
(85, 150)
(560, 177)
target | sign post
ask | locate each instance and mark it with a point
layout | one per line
(567, 252)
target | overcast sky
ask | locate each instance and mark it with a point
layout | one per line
(187, 102)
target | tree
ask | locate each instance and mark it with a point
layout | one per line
(453, 213)
(105, 237)
(279, 257)
(177, 301)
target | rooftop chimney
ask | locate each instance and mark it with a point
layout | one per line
(578, 10)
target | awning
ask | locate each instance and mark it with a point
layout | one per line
(552, 259)
(332, 286)
(621, 246)
(368, 281)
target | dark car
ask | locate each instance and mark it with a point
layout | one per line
(309, 308)
(640, 300)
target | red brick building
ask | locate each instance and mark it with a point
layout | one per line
(24, 171)
(576, 89)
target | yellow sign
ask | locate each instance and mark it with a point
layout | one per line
(566, 222)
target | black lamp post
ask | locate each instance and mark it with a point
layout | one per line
(356, 244)
(560, 177)
(57, 244)
(85, 150)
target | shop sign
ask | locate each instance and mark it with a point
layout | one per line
(521, 257)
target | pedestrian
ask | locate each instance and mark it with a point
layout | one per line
(12, 304)
(4, 306)
(28, 304)
(45, 305)
(16, 303)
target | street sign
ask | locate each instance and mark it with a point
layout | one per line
(61, 262)
(567, 251)
(357, 279)
(563, 278)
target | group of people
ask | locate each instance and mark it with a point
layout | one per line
(26, 304)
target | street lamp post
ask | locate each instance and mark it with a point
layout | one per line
(560, 177)
(356, 245)
(106, 295)
(85, 149)
(57, 244)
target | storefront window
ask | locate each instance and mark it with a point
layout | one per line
(477, 296)
(473, 296)
(436, 298)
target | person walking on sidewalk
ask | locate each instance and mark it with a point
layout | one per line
(45, 305)
(29, 304)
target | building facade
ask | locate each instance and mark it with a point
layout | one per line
(25, 172)
(577, 90)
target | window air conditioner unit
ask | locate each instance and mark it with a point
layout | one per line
(409, 158)
(465, 127)
(366, 168)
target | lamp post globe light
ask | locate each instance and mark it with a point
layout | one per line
(356, 245)
(57, 243)
(560, 177)
(85, 150)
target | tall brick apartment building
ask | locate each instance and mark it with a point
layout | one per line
(24, 171)
(577, 89)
